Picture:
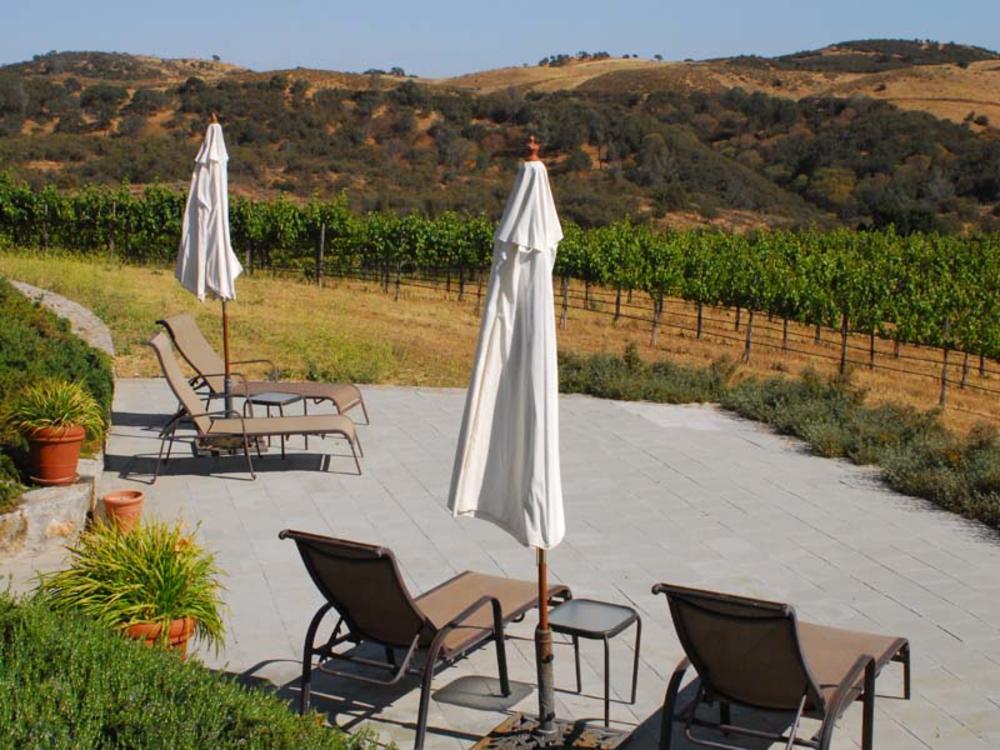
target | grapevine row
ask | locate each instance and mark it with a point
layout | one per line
(925, 289)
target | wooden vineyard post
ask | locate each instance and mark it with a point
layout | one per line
(657, 310)
(816, 339)
(399, 279)
(843, 343)
(982, 365)
(895, 348)
(565, 302)
(319, 255)
(944, 367)
(871, 349)
(461, 283)
(739, 313)
(618, 304)
(111, 237)
(784, 333)
(965, 369)
(248, 257)
(746, 345)
(700, 325)
(479, 292)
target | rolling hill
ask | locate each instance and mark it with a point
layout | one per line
(860, 133)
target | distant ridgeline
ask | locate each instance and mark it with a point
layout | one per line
(921, 288)
(73, 119)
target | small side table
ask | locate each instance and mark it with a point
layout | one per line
(273, 399)
(594, 620)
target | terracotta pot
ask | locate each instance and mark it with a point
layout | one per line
(55, 453)
(123, 508)
(178, 635)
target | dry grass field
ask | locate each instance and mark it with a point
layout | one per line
(946, 91)
(351, 330)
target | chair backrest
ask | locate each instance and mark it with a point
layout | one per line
(363, 583)
(178, 382)
(745, 650)
(196, 350)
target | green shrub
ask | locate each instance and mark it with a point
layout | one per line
(629, 378)
(36, 345)
(154, 573)
(66, 683)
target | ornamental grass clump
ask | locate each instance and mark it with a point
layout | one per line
(156, 574)
(57, 404)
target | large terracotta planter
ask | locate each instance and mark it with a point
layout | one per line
(123, 508)
(55, 453)
(178, 635)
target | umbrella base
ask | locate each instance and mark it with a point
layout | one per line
(227, 446)
(518, 733)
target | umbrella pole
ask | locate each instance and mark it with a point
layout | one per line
(543, 655)
(227, 381)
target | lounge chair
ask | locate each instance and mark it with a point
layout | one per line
(363, 586)
(231, 424)
(757, 654)
(209, 366)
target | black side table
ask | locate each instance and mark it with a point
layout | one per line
(594, 620)
(280, 400)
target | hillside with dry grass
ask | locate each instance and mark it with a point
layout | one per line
(864, 133)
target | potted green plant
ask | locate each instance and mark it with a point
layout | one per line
(55, 416)
(154, 583)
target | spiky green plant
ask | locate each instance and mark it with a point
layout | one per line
(154, 573)
(55, 403)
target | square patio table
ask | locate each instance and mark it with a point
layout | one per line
(595, 620)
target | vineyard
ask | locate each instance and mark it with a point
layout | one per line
(924, 289)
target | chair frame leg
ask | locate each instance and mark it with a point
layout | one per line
(670, 703)
(307, 653)
(166, 437)
(425, 689)
(868, 708)
(246, 452)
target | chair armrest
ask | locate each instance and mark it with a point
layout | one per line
(458, 619)
(237, 375)
(842, 696)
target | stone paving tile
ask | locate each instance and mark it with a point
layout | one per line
(684, 494)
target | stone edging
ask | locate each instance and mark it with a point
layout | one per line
(50, 517)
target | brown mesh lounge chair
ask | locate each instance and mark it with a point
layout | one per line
(757, 654)
(198, 353)
(232, 424)
(363, 586)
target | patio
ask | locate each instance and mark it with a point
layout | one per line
(660, 493)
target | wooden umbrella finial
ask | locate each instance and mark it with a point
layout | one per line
(533, 146)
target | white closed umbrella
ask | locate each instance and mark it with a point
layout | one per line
(507, 463)
(206, 263)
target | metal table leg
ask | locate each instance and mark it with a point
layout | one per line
(607, 682)
(635, 661)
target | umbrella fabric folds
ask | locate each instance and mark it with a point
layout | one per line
(206, 263)
(507, 463)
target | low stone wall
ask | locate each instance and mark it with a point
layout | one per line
(51, 517)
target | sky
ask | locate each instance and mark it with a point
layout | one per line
(442, 38)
